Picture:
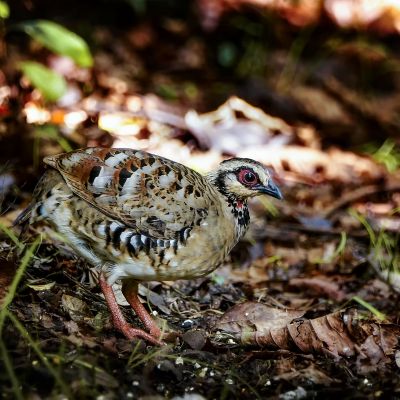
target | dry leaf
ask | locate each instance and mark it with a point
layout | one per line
(40, 287)
(340, 334)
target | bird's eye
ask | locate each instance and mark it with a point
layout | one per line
(247, 177)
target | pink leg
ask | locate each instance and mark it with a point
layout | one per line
(119, 320)
(130, 291)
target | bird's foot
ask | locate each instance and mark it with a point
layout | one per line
(136, 333)
(122, 325)
(130, 291)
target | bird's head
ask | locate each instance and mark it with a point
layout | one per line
(242, 178)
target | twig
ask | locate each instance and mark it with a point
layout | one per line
(360, 193)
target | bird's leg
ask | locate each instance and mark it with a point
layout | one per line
(118, 318)
(130, 291)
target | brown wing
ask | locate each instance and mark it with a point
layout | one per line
(154, 195)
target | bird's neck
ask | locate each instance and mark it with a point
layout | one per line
(236, 204)
(240, 213)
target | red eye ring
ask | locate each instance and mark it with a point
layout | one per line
(247, 177)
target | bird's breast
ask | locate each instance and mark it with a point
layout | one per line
(195, 250)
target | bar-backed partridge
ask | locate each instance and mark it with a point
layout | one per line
(136, 216)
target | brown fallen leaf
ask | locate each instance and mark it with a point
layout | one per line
(311, 373)
(250, 317)
(330, 165)
(339, 334)
(321, 285)
(223, 128)
(381, 16)
(299, 13)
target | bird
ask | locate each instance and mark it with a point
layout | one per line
(134, 216)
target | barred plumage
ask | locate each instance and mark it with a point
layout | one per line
(136, 216)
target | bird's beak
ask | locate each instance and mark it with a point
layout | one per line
(271, 189)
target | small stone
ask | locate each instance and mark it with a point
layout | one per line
(187, 324)
(203, 372)
(196, 339)
(179, 361)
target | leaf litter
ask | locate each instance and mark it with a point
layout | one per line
(285, 315)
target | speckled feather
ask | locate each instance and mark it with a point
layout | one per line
(136, 188)
(135, 215)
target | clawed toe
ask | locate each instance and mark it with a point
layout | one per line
(120, 322)
(134, 333)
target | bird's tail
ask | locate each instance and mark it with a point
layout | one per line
(24, 216)
(33, 213)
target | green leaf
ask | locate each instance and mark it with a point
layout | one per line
(4, 10)
(51, 132)
(60, 40)
(49, 83)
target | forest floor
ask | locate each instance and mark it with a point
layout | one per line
(307, 305)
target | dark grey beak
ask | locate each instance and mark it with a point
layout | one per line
(271, 189)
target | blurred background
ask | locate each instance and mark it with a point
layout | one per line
(327, 69)
(310, 88)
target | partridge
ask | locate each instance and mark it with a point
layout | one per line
(134, 216)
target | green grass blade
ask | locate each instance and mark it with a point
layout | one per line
(12, 236)
(34, 345)
(342, 245)
(29, 254)
(10, 371)
(370, 308)
(367, 226)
